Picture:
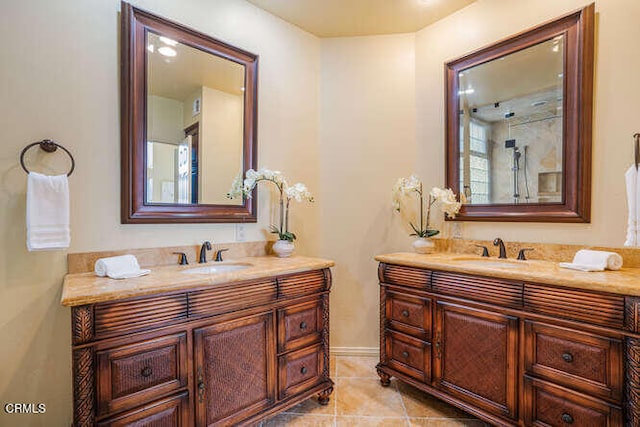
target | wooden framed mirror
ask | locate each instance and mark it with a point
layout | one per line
(519, 124)
(189, 111)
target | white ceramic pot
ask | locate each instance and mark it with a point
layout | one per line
(423, 245)
(283, 248)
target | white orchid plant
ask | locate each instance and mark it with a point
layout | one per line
(412, 186)
(297, 192)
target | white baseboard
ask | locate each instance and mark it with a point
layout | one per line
(355, 351)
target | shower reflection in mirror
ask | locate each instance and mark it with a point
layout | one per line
(511, 123)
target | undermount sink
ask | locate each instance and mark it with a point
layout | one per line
(220, 268)
(490, 262)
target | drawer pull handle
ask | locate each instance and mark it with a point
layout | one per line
(303, 371)
(200, 385)
(405, 354)
(405, 313)
(567, 357)
(303, 325)
(567, 419)
(146, 372)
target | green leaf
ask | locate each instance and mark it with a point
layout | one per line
(431, 233)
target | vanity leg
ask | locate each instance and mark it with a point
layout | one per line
(385, 379)
(323, 396)
(632, 381)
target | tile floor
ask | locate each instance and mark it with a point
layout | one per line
(359, 400)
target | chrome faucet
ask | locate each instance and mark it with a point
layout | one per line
(206, 246)
(503, 252)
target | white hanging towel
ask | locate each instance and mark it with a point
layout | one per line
(47, 212)
(632, 180)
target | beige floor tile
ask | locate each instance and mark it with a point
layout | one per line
(352, 366)
(365, 396)
(312, 407)
(371, 422)
(432, 422)
(421, 405)
(297, 420)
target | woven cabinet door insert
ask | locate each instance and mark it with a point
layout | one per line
(476, 357)
(234, 369)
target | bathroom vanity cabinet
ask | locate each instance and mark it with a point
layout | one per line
(512, 352)
(223, 354)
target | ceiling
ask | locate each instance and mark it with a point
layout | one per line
(343, 18)
(179, 76)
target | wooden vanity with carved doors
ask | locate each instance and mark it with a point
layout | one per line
(224, 354)
(510, 352)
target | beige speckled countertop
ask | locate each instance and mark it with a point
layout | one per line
(87, 288)
(625, 281)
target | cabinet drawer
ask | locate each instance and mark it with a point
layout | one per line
(409, 314)
(586, 362)
(299, 326)
(299, 370)
(550, 405)
(409, 355)
(171, 412)
(134, 374)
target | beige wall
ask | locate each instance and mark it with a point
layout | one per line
(367, 140)
(165, 120)
(221, 145)
(616, 111)
(60, 79)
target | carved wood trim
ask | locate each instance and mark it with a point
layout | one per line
(631, 315)
(383, 321)
(632, 381)
(328, 279)
(83, 387)
(325, 336)
(82, 324)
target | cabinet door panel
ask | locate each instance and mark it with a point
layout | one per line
(235, 369)
(476, 357)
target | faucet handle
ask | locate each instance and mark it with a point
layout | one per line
(183, 258)
(219, 254)
(521, 256)
(485, 251)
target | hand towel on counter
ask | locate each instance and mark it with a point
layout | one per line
(119, 267)
(587, 260)
(47, 212)
(632, 180)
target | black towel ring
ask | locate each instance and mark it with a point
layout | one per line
(49, 146)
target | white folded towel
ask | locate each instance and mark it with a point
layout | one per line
(119, 267)
(587, 260)
(632, 181)
(47, 212)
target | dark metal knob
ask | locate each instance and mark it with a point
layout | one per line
(303, 370)
(146, 372)
(405, 354)
(567, 419)
(183, 258)
(521, 254)
(485, 250)
(303, 325)
(405, 313)
(567, 357)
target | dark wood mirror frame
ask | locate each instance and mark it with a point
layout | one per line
(135, 25)
(578, 28)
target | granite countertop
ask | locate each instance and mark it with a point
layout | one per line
(87, 288)
(625, 281)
